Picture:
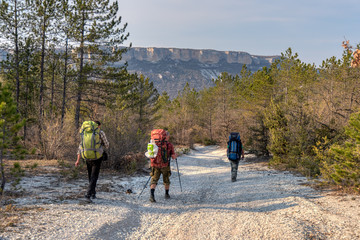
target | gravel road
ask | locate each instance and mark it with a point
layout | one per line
(262, 204)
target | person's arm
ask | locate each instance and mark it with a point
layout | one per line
(104, 139)
(242, 151)
(78, 156)
(78, 160)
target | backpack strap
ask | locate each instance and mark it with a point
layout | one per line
(167, 149)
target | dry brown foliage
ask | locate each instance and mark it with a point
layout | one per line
(59, 142)
(355, 62)
(11, 215)
(128, 163)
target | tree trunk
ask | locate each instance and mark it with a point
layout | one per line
(65, 80)
(17, 60)
(81, 76)
(3, 179)
(26, 104)
(210, 126)
(41, 94)
(52, 87)
(2, 171)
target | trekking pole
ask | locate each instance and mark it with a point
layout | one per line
(144, 186)
(178, 173)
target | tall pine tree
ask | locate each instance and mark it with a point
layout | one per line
(10, 124)
(12, 24)
(96, 28)
(43, 18)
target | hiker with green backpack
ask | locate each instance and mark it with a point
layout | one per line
(93, 143)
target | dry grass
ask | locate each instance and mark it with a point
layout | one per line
(11, 215)
(28, 163)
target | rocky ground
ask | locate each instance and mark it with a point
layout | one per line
(262, 204)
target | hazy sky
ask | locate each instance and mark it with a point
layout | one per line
(314, 29)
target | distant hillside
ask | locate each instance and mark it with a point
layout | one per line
(171, 68)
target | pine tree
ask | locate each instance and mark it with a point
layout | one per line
(277, 123)
(12, 24)
(144, 98)
(95, 27)
(65, 30)
(291, 103)
(166, 113)
(255, 91)
(29, 93)
(185, 115)
(227, 113)
(10, 124)
(342, 163)
(43, 18)
(207, 114)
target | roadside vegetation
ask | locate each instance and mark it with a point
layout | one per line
(305, 118)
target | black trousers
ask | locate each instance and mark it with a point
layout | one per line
(93, 167)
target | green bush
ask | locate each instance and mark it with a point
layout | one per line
(209, 142)
(340, 164)
(33, 166)
(16, 172)
(309, 166)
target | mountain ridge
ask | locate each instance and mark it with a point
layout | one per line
(171, 68)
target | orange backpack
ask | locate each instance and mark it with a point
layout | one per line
(159, 136)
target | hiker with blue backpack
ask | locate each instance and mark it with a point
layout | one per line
(93, 143)
(235, 152)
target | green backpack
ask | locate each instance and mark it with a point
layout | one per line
(91, 148)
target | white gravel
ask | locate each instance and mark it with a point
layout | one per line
(262, 204)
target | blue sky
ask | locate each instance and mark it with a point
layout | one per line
(314, 29)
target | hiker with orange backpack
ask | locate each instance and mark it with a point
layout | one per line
(91, 149)
(160, 164)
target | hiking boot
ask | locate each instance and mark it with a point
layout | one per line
(93, 196)
(152, 198)
(233, 179)
(87, 199)
(167, 196)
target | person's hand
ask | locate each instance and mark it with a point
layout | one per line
(77, 160)
(174, 156)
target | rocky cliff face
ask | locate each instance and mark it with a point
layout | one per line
(171, 68)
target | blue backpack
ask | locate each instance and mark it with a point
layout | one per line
(234, 147)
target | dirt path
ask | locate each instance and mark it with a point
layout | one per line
(262, 204)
